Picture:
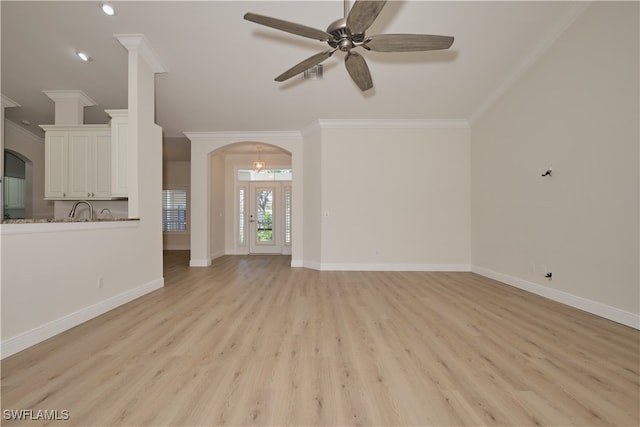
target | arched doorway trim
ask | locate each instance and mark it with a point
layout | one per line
(205, 144)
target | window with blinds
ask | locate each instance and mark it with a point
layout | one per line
(287, 215)
(174, 210)
(242, 206)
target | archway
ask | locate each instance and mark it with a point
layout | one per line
(210, 218)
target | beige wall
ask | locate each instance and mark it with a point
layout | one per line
(312, 183)
(576, 110)
(395, 196)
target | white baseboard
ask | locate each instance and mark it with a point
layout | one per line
(297, 263)
(312, 265)
(612, 313)
(40, 333)
(385, 267)
(199, 263)
(217, 254)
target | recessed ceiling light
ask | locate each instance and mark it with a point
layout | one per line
(108, 8)
(83, 55)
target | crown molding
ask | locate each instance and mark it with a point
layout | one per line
(8, 102)
(19, 129)
(249, 136)
(66, 95)
(139, 43)
(391, 124)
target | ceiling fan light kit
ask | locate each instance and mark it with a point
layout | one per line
(347, 34)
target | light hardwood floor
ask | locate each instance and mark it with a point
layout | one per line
(251, 341)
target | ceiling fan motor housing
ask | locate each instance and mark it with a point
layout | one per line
(342, 37)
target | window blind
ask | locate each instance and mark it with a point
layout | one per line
(174, 210)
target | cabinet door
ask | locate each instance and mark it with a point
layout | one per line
(90, 165)
(56, 165)
(78, 162)
(101, 166)
(80, 158)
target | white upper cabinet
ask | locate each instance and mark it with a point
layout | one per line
(80, 162)
(119, 125)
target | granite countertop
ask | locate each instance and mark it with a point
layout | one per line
(62, 220)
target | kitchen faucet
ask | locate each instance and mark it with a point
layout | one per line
(75, 205)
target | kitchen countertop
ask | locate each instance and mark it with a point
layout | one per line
(62, 220)
(61, 225)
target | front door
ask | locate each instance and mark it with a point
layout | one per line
(264, 218)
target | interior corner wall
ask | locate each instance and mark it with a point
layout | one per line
(576, 111)
(393, 197)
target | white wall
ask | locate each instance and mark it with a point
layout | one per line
(50, 278)
(395, 195)
(576, 109)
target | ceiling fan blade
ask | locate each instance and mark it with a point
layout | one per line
(362, 15)
(305, 65)
(407, 42)
(358, 70)
(290, 27)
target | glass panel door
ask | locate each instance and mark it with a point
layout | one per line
(264, 205)
(263, 218)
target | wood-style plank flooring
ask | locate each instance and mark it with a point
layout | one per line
(251, 341)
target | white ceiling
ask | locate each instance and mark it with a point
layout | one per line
(221, 67)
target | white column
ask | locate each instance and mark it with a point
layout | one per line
(142, 150)
(70, 105)
(144, 140)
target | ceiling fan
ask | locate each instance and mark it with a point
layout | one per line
(347, 34)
